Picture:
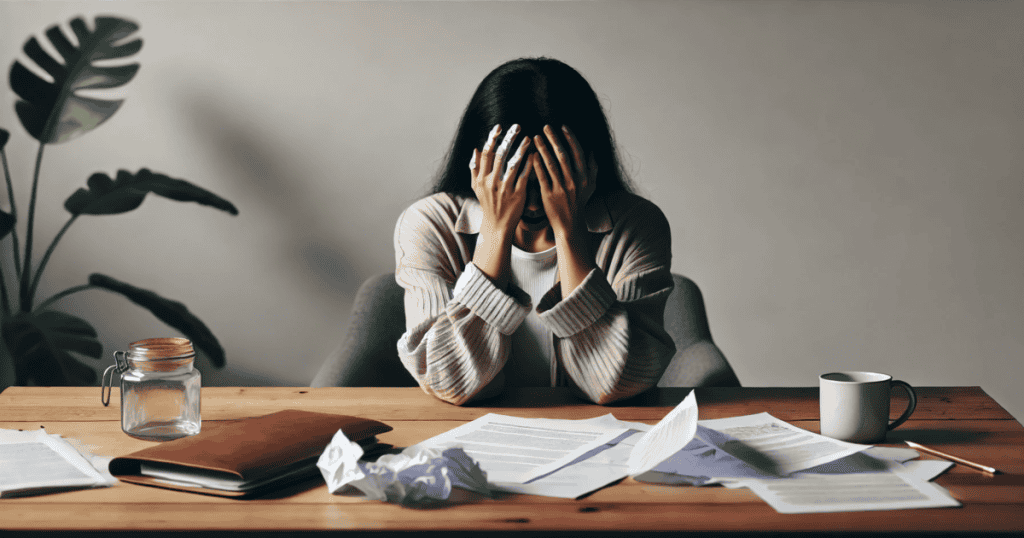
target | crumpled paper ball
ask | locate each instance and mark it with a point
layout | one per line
(415, 476)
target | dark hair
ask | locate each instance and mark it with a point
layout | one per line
(533, 92)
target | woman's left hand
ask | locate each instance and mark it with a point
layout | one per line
(565, 187)
(566, 182)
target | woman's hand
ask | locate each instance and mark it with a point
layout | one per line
(566, 185)
(502, 197)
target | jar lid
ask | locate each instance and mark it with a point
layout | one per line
(153, 349)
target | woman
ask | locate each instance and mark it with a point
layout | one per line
(536, 265)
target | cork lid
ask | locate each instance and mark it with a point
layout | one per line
(161, 354)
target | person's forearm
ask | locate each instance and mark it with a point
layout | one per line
(575, 261)
(610, 348)
(456, 350)
(492, 255)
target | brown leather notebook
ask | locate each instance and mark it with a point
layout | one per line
(245, 457)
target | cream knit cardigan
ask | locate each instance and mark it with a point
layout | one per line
(610, 338)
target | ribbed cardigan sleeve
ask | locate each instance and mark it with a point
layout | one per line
(458, 323)
(610, 331)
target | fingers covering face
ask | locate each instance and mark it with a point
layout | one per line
(499, 157)
(487, 155)
(536, 162)
(574, 145)
(516, 160)
(557, 160)
(552, 168)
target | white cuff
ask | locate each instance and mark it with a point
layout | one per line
(498, 309)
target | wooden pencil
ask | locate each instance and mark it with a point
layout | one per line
(971, 464)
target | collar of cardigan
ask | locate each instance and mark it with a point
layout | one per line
(596, 214)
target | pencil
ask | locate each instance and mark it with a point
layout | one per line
(961, 461)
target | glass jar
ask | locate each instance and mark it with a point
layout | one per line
(159, 389)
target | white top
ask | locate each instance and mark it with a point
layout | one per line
(530, 364)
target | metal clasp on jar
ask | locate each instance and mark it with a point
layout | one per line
(120, 366)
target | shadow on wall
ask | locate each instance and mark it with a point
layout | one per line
(274, 179)
(234, 376)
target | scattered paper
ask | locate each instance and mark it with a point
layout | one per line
(796, 471)
(415, 476)
(588, 473)
(927, 469)
(567, 458)
(750, 446)
(100, 463)
(890, 453)
(703, 462)
(776, 447)
(669, 436)
(513, 449)
(805, 493)
(793, 470)
(883, 459)
(877, 478)
(34, 462)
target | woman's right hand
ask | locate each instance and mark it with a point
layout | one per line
(501, 192)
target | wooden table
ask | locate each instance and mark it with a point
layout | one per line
(959, 420)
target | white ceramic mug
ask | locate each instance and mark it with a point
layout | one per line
(855, 406)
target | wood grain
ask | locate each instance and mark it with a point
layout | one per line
(502, 516)
(219, 403)
(959, 420)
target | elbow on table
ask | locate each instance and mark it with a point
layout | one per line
(599, 399)
(462, 397)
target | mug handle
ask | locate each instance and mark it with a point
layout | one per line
(910, 406)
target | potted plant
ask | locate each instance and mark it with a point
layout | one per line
(41, 345)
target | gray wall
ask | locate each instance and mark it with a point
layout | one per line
(843, 179)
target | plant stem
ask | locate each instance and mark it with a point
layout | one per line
(46, 257)
(26, 297)
(4, 301)
(58, 296)
(14, 214)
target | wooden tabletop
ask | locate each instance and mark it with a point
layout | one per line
(959, 420)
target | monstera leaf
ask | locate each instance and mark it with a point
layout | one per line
(41, 344)
(53, 112)
(6, 223)
(107, 196)
(170, 312)
(6, 219)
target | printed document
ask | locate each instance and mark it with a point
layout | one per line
(591, 471)
(793, 470)
(513, 449)
(640, 448)
(776, 446)
(667, 437)
(871, 478)
(605, 448)
(36, 462)
(805, 493)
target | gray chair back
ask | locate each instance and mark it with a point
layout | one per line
(368, 356)
(698, 362)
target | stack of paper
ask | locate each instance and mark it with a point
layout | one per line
(34, 462)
